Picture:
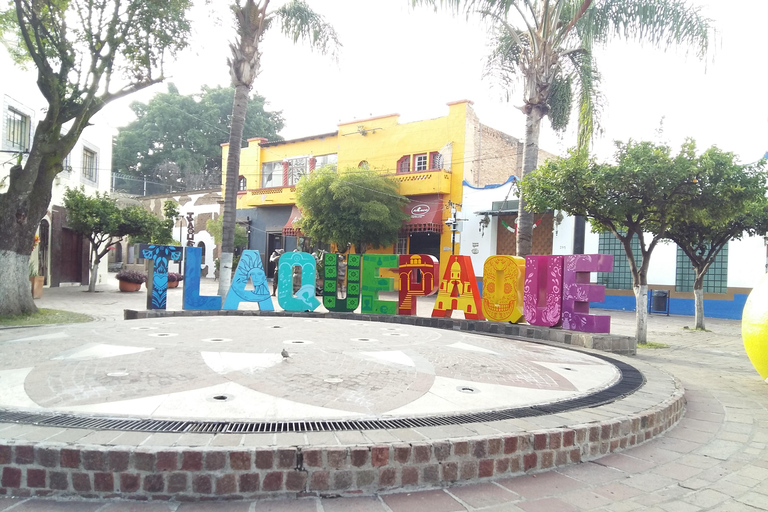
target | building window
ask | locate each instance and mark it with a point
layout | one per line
(420, 163)
(297, 167)
(16, 130)
(437, 160)
(66, 165)
(242, 184)
(621, 277)
(404, 164)
(715, 280)
(89, 165)
(364, 165)
(272, 174)
(326, 161)
(402, 245)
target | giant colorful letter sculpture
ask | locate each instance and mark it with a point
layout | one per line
(304, 299)
(458, 290)
(578, 293)
(157, 280)
(331, 299)
(502, 290)
(373, 283)
(543, 290)
(192, 298)
(418, 276)
(249, 267)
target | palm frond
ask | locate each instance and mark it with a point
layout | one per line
(300, 22)
(660, 22)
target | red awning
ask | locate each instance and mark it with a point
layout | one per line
(289, 229)
(426, 215)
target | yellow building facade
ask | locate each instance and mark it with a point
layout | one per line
(429, 160)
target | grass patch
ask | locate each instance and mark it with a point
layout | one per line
(652, 344)
(45, 316)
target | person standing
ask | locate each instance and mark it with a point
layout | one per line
(275, 258)
(341, 275)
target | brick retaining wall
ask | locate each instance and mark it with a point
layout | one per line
(200, 473)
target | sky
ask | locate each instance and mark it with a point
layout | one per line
(413, 61)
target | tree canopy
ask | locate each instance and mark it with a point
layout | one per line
(86, 53)
(637, 197)
(99, 219)
(724, 201)
(177, 138)
(356, 206)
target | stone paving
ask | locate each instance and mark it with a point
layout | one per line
(716, 458)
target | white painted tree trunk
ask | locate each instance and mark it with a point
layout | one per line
(94, 276)
(698, 296)
(225, 273)
(641, 313)
(15, 290)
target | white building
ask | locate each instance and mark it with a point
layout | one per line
(61, 255)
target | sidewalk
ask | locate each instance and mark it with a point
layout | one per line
(716, 459)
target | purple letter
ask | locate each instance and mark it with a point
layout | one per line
(578, 293)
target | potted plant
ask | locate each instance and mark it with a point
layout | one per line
(174, 278)
(36, 281)
(130, 280)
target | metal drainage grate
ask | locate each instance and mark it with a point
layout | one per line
(631, 380)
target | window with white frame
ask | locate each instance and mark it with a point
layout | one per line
(402, 245)
(17, 130)
(420, 162)
(297, 167)
(272, 174)
(89, 165)
(324, 160)
(242, 184)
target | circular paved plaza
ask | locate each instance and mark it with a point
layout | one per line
(232, 369)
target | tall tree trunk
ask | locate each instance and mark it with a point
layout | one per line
(641, 312)
(239, 109)
(21, 208)
(15, 291)
(524, 240)
(698, 298)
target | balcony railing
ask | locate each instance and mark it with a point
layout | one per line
(427, 182)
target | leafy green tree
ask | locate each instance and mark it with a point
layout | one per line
(176, 138)
(724, 201)
(548, 46)
(356, 207)
(104, 224)
(214, 227)
(252, 20)
(638, 197)
(87, 54)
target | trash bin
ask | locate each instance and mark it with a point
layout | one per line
(659, 300)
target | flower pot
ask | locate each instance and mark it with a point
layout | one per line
(126, 286)
(37, 286)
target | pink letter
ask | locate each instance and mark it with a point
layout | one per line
(543, 292)
(578, 293)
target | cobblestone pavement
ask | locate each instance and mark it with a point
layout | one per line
(716, 459)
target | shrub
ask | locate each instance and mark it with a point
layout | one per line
(131, 276)
(174, 276)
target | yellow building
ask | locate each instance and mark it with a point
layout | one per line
(429, 159)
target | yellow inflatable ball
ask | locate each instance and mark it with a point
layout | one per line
(754, 327)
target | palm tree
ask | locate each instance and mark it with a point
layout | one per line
(252, 20)
(547, 44)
